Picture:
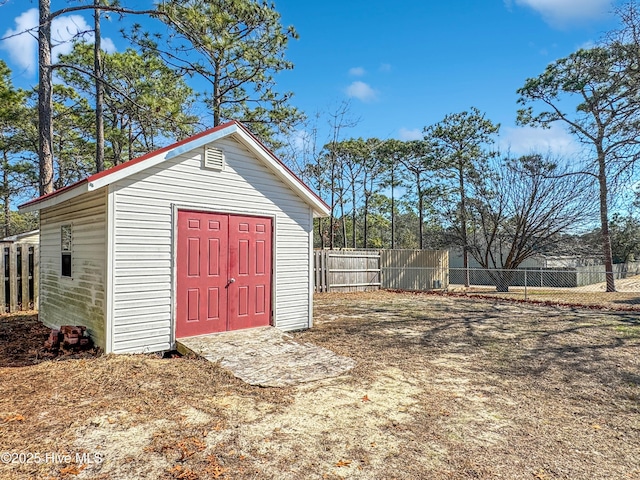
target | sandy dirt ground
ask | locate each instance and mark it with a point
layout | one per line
(444, 388)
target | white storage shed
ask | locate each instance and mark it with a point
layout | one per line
(210, 234)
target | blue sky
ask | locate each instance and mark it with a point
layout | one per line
(402, 65)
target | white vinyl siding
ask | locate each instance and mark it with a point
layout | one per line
(143, 206)
(79, 299)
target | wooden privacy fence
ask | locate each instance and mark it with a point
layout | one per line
(363, 270)
(415, 269)
(19, 262)
(346, 270)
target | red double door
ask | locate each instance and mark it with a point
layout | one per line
(223, 272)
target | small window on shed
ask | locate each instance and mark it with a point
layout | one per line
(65, 247)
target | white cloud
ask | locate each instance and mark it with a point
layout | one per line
(64, 29)
(587, 45)
(555, 141)
(107, 45)
(410, 134)
(385, 67)
(23, 47)
(357, 71)
(561, 12)
(361, 91)
(300, 140)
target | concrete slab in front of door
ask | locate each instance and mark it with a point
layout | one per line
(267, 357)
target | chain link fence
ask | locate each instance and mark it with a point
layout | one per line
(419, 270)
(579, 286)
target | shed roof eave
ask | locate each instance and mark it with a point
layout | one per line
(55, 198)
(230, 129)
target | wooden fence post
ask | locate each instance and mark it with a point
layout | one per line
(13, 277)
(325, 271)
(24, 275)
(19, 289)
(3, 288)
(320, 267)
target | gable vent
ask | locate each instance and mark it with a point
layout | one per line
(213, 158)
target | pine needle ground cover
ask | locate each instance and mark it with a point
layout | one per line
(444, 388)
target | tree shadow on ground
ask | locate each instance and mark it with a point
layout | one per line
(553, 347)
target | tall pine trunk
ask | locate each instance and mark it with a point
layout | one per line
(45, 99)
(97, 70)
(463, 226)
(353, 215)
(217, 97)
(420, 218)
(604, 222)
(5, 191)
(393, 210)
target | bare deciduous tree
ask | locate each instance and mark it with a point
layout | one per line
(522, 209)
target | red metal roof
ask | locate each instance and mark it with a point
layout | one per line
(135, 161)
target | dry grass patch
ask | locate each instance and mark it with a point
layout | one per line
(508, 390)
(143, 415)
(444, 388)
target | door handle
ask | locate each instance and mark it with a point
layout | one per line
(230, 281)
